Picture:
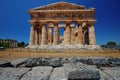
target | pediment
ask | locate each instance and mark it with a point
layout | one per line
(60, 6)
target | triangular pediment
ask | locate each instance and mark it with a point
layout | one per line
(60, 6)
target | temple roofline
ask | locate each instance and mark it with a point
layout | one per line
(57, 3)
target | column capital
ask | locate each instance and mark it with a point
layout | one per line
(67, 23)
(91, 23)
(72, 25)
(50, 25)
(34, 23)
(56, 23)
(43, 24)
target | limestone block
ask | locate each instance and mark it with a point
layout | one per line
(55, 62)
(38, 73)
(76, 71)
(58, 74)
(18, 62)
(104, 76)
(113, 72)
(12, 73)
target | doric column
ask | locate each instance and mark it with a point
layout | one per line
(36, 36)
(44, 32)
(73, 35)
(92, 39)
(49, 35)
(63, 42)
(67, 36)
(40, 36)
(80, 35)
(56, 35)
(32, 36)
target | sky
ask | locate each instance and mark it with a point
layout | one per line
(14, 18)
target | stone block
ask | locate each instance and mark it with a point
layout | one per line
(12, 73)
(38, 73)
(55, 62)
(76, 71)
(113, 72)
(58, 74)
(18, 62)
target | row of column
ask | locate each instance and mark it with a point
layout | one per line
(42, 36)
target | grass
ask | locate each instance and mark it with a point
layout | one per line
(52, 53)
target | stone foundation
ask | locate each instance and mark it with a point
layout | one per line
(64, 47)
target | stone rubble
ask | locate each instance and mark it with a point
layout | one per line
(55, 68)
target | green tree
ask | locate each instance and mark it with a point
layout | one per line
(4, 44)
(21, 44)
(111, 44)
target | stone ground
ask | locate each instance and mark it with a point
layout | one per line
(55, 68)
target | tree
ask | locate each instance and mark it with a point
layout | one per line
(4, 44)
(111, 44)
(21, 44)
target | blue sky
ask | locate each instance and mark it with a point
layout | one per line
(14, 18)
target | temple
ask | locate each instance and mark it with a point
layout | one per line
(76, 21)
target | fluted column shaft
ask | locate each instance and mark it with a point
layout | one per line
(40, 36)
(49, 36)
(32, 36)
(67, 35)
(44, 32)
(92, 40)
(72, 35)
(80, 35)
(56, 36)
(63, 42)
(36, 36)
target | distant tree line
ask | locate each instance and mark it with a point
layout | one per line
(111, 45)
(22, 44)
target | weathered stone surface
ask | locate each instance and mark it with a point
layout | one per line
(12, 73)
(45, 61)
(38, 73)
(32, 36)
(104, 76)
(18, 62)
(56, 36)
(80, 71)
(63, 47)
(92, 40)
(5, 64)
(113, 72)
(31, 62)
(44, 35)
(55, 62)
(58, 74)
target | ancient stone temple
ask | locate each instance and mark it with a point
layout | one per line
(77, 23)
